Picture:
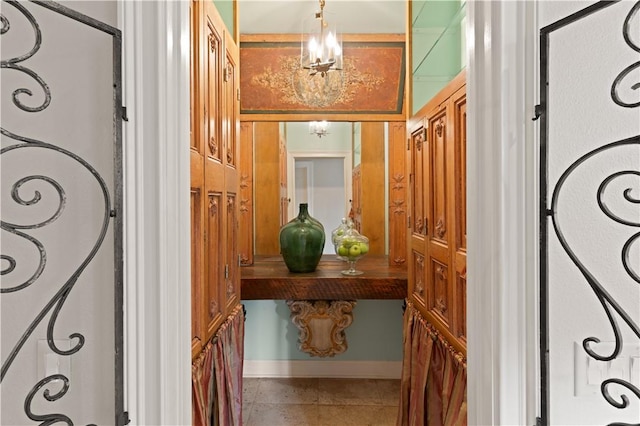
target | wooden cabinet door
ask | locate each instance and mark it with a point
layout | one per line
(197, 193)
(439, 166)
(231, 133)
(459, 106)
(214, 173)
(417, 212)
(214, 170)
(437, 204)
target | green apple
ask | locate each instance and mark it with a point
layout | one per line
(364, 248)
(348, 242)
(354, 250)
(343, 251)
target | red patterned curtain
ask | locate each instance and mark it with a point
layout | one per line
(201, 370)
(434, 377)
(228, 357)
(217, 376)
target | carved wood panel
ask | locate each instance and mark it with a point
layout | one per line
(232, 272)
(417, 278)
(438, 186)
(231, 112)
(214, 238)
(438, 164)
(398, 194)
(438, 291)
(245, 226)
(418, 148)
(321, 325)
(212, 91)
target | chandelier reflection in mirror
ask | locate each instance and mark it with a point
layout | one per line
(321, 45)
(320, 128)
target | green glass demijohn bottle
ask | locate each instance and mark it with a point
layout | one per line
(302, 242)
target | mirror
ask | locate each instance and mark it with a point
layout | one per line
(327, 172)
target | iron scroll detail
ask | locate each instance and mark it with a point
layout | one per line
(10, 264)
(14, 63)
(616, 314)
(626, 34)
(606, 300)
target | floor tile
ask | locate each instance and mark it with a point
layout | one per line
(348, 392)
(389, 391)
(283, 415)
(356, 415)
(287, 391)
(249, 388)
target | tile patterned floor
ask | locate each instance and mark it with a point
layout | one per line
(320, 402)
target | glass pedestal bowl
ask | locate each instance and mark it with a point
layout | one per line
(351, 247)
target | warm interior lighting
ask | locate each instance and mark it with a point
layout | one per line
(321, 47)
(320, 128)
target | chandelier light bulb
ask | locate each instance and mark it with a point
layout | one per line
(321, 49)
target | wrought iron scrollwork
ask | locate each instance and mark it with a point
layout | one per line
(10, 264)
(613, 310)
(606, 300)
(14, 63)
(626, 34)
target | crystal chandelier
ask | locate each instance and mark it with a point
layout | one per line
(320, 128)
(321, 47)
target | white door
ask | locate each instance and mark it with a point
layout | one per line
(61, 302)
(590, 188)
(320, 182)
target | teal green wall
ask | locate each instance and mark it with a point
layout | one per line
(225, 9)
(437, 46)
(299, 138)
(374, 335)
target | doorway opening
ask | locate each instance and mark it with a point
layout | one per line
(323, 181)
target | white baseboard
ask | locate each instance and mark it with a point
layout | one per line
(335, 369)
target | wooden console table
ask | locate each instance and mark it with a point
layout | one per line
(269, 278)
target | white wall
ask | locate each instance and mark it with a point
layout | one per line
(585, 57)
(328, 194)
(75, 61)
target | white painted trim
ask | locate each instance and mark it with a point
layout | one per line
(157, 247)
(501, 281)
(502, 212)
(334, 369)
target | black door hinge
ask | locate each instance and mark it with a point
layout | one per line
(538, 421)
(538, 110)
(125, 418)
(123, 110)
